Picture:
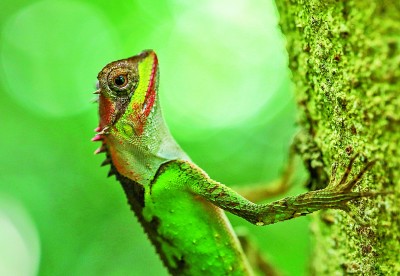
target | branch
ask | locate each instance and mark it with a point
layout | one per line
(345, 60)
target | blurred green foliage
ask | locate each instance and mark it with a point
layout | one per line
(225, 92)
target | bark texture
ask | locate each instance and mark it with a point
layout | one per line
(345, 60)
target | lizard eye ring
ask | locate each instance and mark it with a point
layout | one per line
(120, 82)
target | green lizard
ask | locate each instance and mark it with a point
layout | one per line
(178, 205)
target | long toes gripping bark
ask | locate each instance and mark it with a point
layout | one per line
(345, 185)
(337, 194)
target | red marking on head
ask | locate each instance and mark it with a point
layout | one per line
(137, 117)
(151, 90)
(106, 111)
(141, 112)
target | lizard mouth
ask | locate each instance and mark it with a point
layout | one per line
(100, 131)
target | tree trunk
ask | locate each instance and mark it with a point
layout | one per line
(345, 60)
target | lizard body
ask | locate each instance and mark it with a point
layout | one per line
(178, 205)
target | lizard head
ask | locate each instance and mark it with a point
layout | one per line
(127, 88)
(131, 127)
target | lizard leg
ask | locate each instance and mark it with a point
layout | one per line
(334, 196)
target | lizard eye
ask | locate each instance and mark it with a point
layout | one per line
(120, 80)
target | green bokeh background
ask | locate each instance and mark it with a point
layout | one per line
(226, 95)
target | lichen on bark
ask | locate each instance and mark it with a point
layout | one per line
(345, 61)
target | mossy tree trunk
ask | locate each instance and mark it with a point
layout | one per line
(345, 60)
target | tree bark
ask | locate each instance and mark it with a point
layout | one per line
(345, 60)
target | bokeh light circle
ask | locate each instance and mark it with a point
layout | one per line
(20, 246)
(47, 55)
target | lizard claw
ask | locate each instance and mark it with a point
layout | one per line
(343, 185)
(341, 190)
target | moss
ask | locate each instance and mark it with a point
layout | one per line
(345, 61)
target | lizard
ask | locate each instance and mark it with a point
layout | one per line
(179, 206)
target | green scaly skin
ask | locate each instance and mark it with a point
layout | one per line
(178, 205)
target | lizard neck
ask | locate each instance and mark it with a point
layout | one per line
(138, 156)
